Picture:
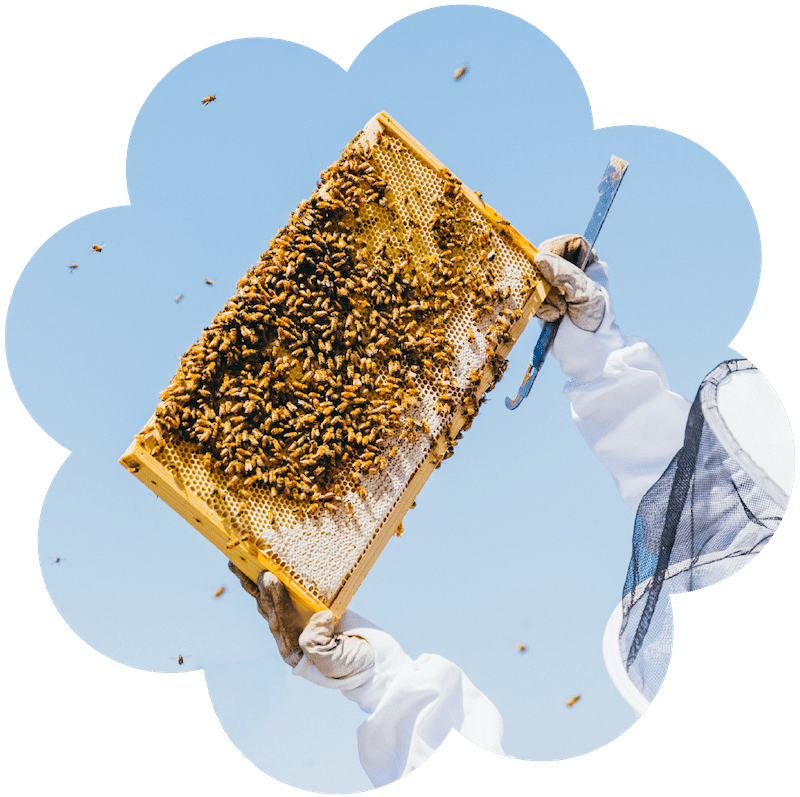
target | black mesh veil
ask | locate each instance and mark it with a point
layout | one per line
(710, 512)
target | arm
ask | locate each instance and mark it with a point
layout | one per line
(412, 704)
(619, 393)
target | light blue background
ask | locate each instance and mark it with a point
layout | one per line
(521, 536)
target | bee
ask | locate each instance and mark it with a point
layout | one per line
(238, 540)
(209, 282)
(72, 267)
(98, 247)
(180, 657)
(460, 72)
(178, 298)
(56, 560)
(573, 700)
(210, 98)
(220, 592)
(521, 647)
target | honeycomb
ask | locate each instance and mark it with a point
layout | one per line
(306, 419)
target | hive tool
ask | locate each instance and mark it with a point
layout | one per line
(612, 178)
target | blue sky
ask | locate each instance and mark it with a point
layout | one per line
(173, 244)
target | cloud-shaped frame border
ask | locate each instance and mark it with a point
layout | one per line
(73, 683)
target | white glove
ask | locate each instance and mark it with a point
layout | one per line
(572, 291)
(334, 655)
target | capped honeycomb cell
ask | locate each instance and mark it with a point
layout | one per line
(300, 427)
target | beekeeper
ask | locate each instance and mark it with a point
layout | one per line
(633, 422)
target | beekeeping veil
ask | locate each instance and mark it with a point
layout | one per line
(714, 508)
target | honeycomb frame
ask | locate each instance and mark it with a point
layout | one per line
(323, 558)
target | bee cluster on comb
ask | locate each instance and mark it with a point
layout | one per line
(322, 395)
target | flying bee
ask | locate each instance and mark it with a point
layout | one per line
(209, 282)
(460, 72)
(210, 98)
(178, 298)
(56, 560)
(72, 267)
(220, 592)
(180, 657)
(98, 247)
(573, 700)
(521, 647)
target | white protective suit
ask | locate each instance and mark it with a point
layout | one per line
(621, 401)
(412, 704)
(620, 397)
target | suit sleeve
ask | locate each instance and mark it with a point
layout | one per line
(620, 398)
(412, 704)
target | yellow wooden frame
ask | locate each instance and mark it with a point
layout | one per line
(138, 460)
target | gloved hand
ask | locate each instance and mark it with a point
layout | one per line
(334, 655)
(573, 292)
